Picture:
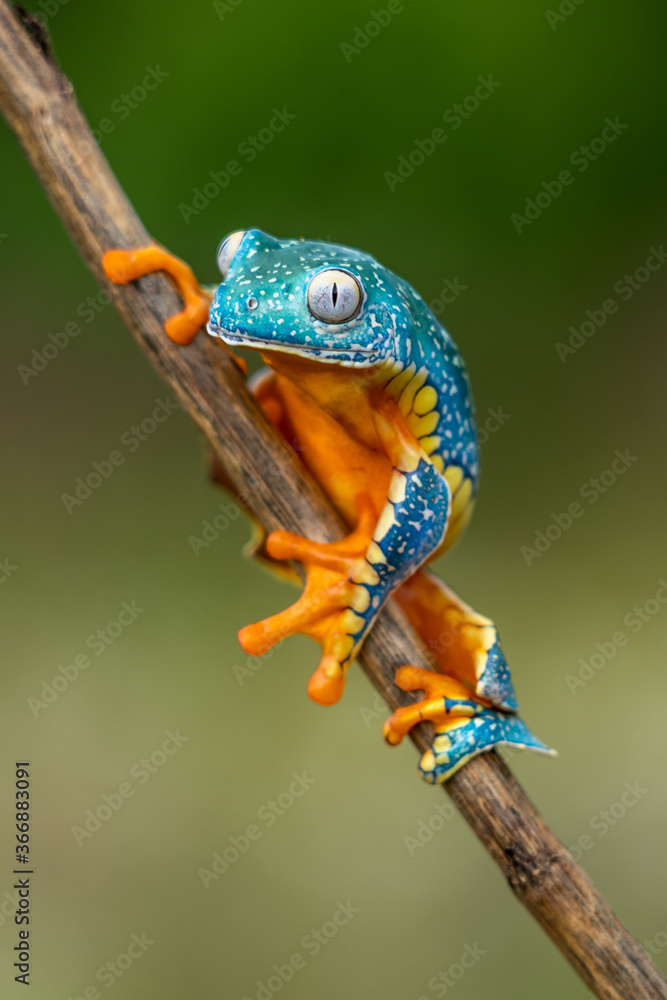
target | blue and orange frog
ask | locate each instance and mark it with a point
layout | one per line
(371, 390)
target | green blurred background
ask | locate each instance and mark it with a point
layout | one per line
(174, 668)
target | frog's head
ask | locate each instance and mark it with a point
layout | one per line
(317, 300)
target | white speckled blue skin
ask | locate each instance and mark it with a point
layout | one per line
(263, 304)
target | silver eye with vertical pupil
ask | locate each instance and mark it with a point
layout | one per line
(227, 249)
(334, 296)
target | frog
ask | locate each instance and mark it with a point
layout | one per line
(365, 383)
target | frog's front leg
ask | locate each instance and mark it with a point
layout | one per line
(122, 266)
(347, 582)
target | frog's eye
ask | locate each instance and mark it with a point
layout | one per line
(227, 249)
(334, 296)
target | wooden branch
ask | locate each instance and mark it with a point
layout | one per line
(40, 105)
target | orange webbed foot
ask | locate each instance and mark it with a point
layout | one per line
(464, 725)
(122, 266)
(447, 702)
(326, 610)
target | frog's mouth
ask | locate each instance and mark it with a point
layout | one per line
(352, 355)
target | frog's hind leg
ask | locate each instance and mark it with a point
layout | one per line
(470, 699)
(447, 702)
(464, 643)
(464, 725)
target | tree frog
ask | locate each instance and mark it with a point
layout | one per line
(371, 389)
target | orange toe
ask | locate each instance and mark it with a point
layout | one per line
(184, 327)
(391, 735)
(118, 266)
(327, 684)
(254, 639)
